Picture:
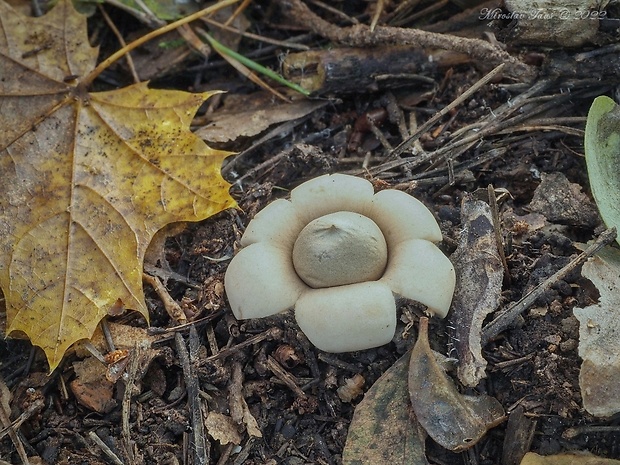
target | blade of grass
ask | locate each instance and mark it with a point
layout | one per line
(225, 51)
(205, 49)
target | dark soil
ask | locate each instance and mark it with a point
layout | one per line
(533, 365)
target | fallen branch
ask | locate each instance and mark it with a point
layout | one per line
(361, 35)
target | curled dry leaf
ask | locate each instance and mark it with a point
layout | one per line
(246, 116)
(87, 179)
(563, 202)
(599, 326)
(222, 428)
(479, 275)
(90, 387)
(352, 388)
(454, 420)
(384, 428)
(572, 458)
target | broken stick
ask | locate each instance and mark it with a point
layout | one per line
(505, 318)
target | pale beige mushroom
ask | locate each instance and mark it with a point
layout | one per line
(278, 223)
(337, 253)
(402, 217)
(347, 318)
(261, 281)
(419, 271)
(340, 248)
(331, 193)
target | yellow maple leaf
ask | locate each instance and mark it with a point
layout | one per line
(86, 179)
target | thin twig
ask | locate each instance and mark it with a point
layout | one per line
(497, 231)
(277, 131)
(404, 145)
(224, 458)
(284, 376)
(336, 12)
(172, 307)
(200, 447)
(121, 41)
(379, 6)
(235, 393)
(32, 409)
(466, 137)
(269, 334)
(572, 433)
(238, 11)
(152, 16)
(130, 381)
(413, 17)
(90, 347)
(12, 428)
(107, 334)
(245, 66)
(259, 38)
(505, 319)
(109, 453)
(150, 21)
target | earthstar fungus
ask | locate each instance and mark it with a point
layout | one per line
(337, 252)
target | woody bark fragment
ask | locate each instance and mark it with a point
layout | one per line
(361, 36)
(356, 69)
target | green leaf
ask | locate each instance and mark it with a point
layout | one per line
(602, 146)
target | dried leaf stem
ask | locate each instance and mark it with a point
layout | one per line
(172, 307)
(505, 318)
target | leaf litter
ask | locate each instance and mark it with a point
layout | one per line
(599, 327)
(88, 179)
(531, 406)
(453, 420)
(479, 273)
(384, 428)
(569, 458)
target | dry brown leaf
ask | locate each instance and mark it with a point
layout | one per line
(599, 326)
(454, 421)
(563, 202)
(222, 428)
(384, 428)
(251, 425)
(245, 116)
(90, 387)
(479, 275)
(571, 458)
(124, 337)
(88, 179)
